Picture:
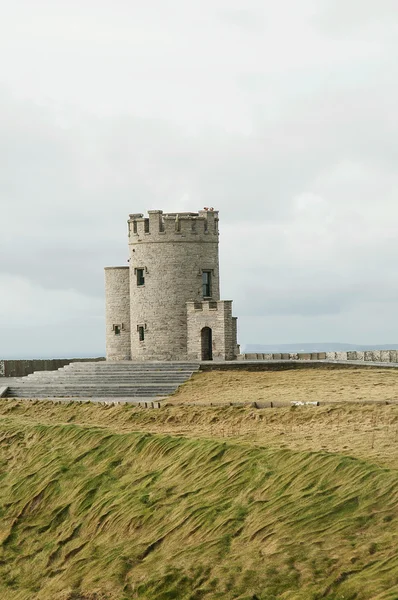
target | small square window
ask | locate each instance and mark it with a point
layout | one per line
(141, 333)
(140, 277)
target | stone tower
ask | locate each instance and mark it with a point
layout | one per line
(166, 304)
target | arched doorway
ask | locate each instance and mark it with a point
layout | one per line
(207, 343)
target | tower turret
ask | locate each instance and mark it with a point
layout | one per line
(117, 313)
(173, 260)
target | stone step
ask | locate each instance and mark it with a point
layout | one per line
(108, 371)
(88, 394)
(90, 380)
(113, 378)
(98, 383)
(132, 366)
(87, 391)
(94, 384)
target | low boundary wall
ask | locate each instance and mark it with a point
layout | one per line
(20, 368)
(377, 356)
(288, 365)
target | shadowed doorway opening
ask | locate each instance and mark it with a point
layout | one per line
(207, 343)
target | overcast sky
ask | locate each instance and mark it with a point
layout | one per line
(280, 114)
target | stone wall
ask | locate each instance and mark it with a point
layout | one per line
(218, 317)
(20, 368)
(173, 250)
(380, 356)
(117, 313)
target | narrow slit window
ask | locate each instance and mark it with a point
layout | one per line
(206, 284)
(141, 333)
(116, 329)
(146, 226)
(134, 226)
(140, 277)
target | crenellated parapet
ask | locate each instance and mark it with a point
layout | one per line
(177, 227)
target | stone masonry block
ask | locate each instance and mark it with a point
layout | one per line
(341, 355)
(331, 355)
(394, 356)
(385, 356)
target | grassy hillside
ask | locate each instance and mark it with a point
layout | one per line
(113, 502)
(332, 385)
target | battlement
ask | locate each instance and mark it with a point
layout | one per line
(206, 306)
(180, 226)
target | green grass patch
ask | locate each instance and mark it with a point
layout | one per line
(91, 514)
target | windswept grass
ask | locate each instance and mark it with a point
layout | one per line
(136, 515)
(368, 432)
(114, 503)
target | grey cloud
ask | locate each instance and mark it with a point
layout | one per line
(340, 16)
(306, 184)
(248, 20)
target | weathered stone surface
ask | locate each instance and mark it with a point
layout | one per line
(385, 356)
(168, 255)
(251, 356)
(321, 355)
(394, 356)
(117, 313)
(21, 368)
(293, 356)
(174, 252)
(267, 356)
(341, 355)
(304, 356)
(220, 321)
(285, 356)
(331, 355)
(277, 356)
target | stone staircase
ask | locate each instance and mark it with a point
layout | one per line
(105, 380)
